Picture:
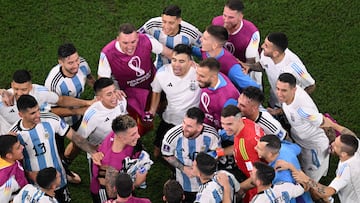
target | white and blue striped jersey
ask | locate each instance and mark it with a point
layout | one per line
(40, 150)
(185, 150)
(33, 194)
(279, 193)
(212, 191)
(188, 34)
(43, 96)
(57, 82)
(97, 120)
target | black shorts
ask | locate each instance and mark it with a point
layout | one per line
(62, 195)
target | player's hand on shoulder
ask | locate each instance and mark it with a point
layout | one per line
(223, 179)
(7, 97)
(245, 67)
(120, 94)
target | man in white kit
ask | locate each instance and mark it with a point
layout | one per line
(96, 122)
(277, 58)
(347, 180)
(178, 81)
(22, 84)
(306, 122)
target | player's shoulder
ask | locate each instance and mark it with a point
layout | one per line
(92, 111)
(209, 130)
(54, 78)
(82, 60)
(48, 116)
(40, 88)
(173, 134)
(188, 25)
(54, 70)
(190, 30)
(164, 70)
(217, 20)
(249, 23)
(151, 25)
(265, 117)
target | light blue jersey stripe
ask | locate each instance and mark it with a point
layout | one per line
(64, 89)
(27, 164)
(54, 153)
(39, 148)
(77, 85)
(23, 196)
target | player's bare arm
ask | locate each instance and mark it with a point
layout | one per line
(310, 89)
(67, 101)
(252, 66)
(110, 177)
(172, 160)
(223, 180)
(168, 53)
(90, 80)
(330, 124)
(155, 100)
(320, 190)
(81, 142)
(65, 111)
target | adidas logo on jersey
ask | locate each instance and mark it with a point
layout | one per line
(170, 85)
(12, 111)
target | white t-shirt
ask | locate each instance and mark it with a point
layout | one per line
(97, 120)
(347, 180)
(43, 96)
(305, 121)
(181, 93)
(4, 125)
(290, 64)
(8, 188)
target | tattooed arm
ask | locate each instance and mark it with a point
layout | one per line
(81, 142)
(110, 178)
(174, 162)
(322, 191)
(342, 129)
(177, 164)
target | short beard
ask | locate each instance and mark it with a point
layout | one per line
(206, 85)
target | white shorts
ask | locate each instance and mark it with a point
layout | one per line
(315, 162)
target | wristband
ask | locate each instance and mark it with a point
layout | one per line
(220, 152)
